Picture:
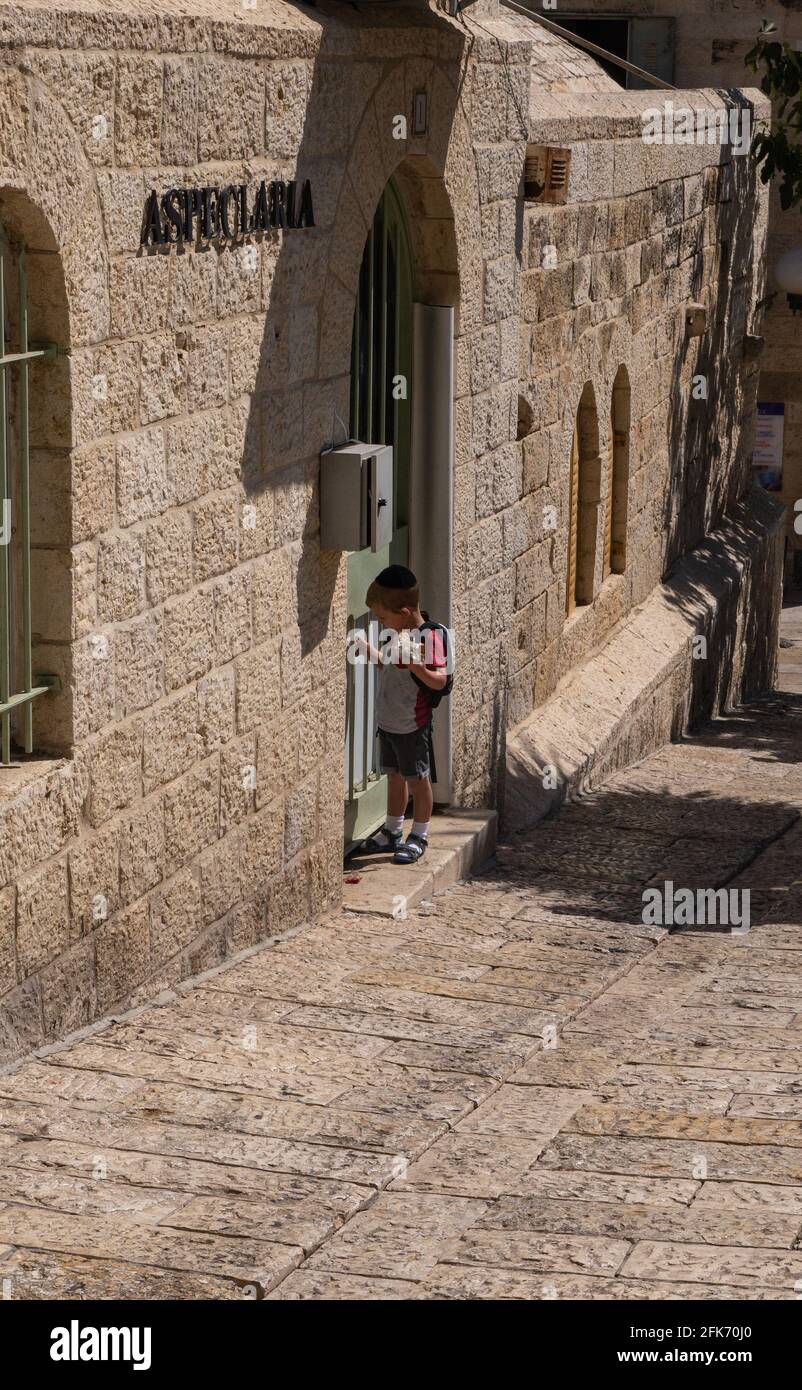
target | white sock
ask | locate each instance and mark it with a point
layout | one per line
(394, 823)
(421, 828)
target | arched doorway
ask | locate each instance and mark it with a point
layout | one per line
(381, 412)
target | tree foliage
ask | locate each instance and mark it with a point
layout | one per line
(779, 151)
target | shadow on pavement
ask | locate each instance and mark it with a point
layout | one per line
(717, 808)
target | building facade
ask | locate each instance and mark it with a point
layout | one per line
(234, 237)
(696, 43)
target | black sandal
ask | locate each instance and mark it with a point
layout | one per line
(413, 849)
(372, 845)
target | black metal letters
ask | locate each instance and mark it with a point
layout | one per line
(187, 215)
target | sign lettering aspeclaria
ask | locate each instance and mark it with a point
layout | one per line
(222, 214)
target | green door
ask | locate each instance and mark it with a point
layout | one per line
(381, 380)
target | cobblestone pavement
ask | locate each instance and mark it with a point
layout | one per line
(369, 1110)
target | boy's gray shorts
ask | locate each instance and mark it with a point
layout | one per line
(407, 754)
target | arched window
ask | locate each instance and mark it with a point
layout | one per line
(34, 574)
(615, 527)
(585, 498)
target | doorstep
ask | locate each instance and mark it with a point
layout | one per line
(459, 841)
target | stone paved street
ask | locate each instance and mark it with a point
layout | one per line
(374, 1110)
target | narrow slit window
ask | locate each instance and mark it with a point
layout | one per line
(585, 501)
(618, 490)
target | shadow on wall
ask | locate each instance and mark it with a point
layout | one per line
(712, 400)
(300, 396)
(652, 825)
(730, 587)
(702, 485)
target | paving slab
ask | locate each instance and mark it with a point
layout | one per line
(541, 1254)
(448, 1281)
(402, 1234)
(472, 1165)
(631, 1121)
(750, 1195)
(533, 1110)
(321, 1286)
(638, 1221)
(50, 1275)
(259, 1262)
(565, 1185)
(706, 1264)
(681, 1158)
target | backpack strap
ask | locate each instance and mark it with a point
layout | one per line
(432, 763)
(435, 696)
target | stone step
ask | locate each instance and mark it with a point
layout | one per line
(459, 842)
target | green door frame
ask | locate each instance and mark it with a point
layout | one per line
(380, 414)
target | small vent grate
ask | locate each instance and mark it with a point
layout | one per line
(546, 174)
(558, 173)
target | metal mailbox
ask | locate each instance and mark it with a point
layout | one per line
(356, 497)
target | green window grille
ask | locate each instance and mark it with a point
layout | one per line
(17, 689)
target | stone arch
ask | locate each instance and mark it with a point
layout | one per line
(428, 171)
(49, 196)
(50, 211)
(431, 225)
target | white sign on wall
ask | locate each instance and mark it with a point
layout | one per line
(767, 457)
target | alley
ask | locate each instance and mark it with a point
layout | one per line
(520, 1091)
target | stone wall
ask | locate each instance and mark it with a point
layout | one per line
(711, 43)
(651, 229)
(192, 804)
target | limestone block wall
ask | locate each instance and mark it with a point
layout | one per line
(651, 228)
(192, 804)
(711, 43)
(600, 284)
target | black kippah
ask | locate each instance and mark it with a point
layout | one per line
(396, 577)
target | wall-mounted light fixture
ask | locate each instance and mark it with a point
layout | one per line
(695, 319)
(420, 113)
(752, 347)
(788, 274)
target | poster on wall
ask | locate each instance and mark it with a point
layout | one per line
(767, 457)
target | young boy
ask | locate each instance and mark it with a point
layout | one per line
(404, 711)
